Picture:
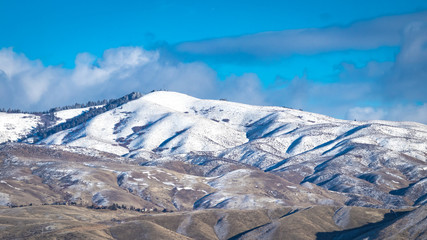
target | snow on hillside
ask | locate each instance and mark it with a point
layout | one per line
(168, 122)
(368, 163)
(174, 123)
(70, 113)
(16, 125)
(238, 115)
(367, 160)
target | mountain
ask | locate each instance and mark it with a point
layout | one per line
(167, 151)
(172, 123)
(367, 161)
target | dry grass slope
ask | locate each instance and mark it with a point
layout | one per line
(318, 222)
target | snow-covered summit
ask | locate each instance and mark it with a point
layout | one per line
(170, 122)
(175, 123)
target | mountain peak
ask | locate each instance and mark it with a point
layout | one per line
(173, 100)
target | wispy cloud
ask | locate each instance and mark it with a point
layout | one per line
(361, 35)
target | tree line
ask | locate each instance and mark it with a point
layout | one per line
(44, 130)
(57, 109)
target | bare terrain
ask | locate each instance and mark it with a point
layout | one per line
(318, 222)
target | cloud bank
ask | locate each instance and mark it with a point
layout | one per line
(27, 84)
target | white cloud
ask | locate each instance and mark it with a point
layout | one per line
(25, 81)
(400, 112)
(246, 89)
(119, 63)
(29, 85)
(365, 113)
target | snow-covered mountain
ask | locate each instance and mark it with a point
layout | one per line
(374, 163)
(172, 123)
(362, 159)
(171, 151)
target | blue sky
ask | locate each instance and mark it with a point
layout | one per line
(348, 59)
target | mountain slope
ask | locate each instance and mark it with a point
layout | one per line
(49, 174)
(318, 222)
(374, 164)
(14, 126)
(367, 161)
(176, 123)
